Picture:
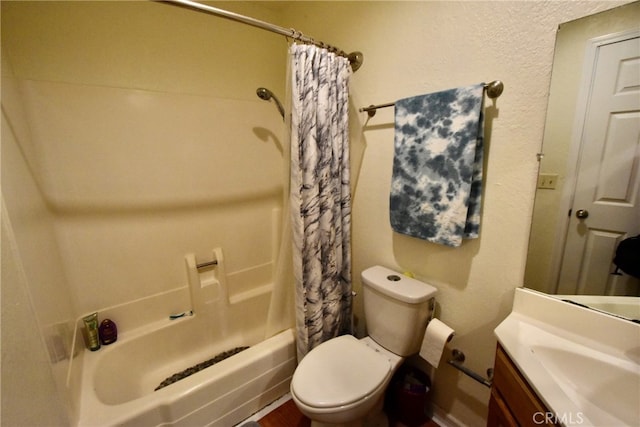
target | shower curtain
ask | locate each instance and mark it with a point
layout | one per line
(320, 198)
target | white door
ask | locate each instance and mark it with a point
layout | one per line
(606, 204)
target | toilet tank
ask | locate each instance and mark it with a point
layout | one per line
(397, 309)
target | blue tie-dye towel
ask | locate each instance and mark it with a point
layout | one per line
(437, 166)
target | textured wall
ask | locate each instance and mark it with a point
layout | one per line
(413, 48)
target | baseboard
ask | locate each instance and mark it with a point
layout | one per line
(442, 418)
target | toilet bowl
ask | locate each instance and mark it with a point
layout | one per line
(343, 380)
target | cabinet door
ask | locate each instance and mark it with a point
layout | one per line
(515, 397)
(499, 414)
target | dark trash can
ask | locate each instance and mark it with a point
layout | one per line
(409, 393)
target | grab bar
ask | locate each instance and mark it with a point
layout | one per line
(207, 264)
(458, 360)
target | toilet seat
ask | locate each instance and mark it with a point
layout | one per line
(339, 372)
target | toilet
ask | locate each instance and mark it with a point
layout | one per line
(342, 381)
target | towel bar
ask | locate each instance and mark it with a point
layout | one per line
(458, 360)
(493, 89)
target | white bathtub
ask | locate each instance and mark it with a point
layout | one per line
(118, 381)
(622, 306)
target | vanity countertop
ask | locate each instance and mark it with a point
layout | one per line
(584, 364)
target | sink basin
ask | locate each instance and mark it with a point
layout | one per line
(585, 368)
(606, 389)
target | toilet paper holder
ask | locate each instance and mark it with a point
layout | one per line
(458, 359)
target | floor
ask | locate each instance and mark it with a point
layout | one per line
(285, 415)
(288, 415)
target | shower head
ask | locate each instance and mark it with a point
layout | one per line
(266, 94)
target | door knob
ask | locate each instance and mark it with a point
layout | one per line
(582, 213)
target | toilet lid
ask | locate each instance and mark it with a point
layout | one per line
(338, 372)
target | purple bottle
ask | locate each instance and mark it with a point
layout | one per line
(108, 332)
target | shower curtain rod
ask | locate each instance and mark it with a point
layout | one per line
(355, 58)
(493, 89)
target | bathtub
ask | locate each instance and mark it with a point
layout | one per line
(118, 381)
(627, 307)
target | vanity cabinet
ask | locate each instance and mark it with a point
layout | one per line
(513, 402)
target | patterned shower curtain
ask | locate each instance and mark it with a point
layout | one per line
(320, 197)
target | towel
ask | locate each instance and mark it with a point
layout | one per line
(437, 167)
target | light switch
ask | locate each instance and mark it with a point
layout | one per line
(547, 181)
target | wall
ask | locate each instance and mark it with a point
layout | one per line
(131, 136)
(413, 48)
(33, 350)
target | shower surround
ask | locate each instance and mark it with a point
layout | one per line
(136, 181)
(127, 145)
